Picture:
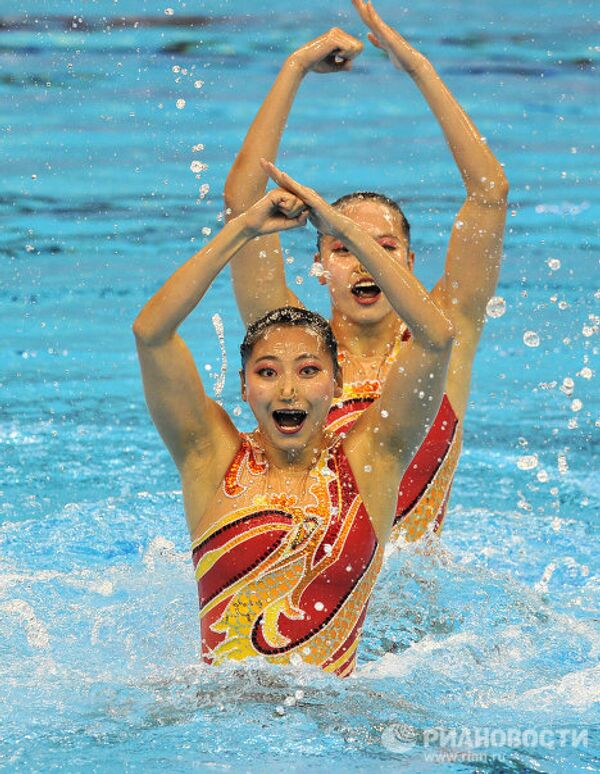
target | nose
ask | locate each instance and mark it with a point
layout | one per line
(287, 390)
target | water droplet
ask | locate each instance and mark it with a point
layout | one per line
(542, 476)
(180, 104)
(198, 166)
(197, 148)
(572, 424)
(169, 12)
(553, 264)
(586, 373)
(385, 414)
(203, 190)
(576, 405)
(176, 69)
(368, 468)
(567, 386)
(563, 465)
(317, 270)
(206, 231)
(527, 462)
(327, 548)
(531, 339)
(299, 280)
(198, 84)
(496, 306)
(279, 711)
(562, 305)
(319, 606)
(587, 331)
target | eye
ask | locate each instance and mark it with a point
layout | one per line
(310, 370)
(389, 245)
(339, 249)
(267, 372)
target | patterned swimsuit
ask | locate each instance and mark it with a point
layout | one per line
(283, 579)
(425, 488)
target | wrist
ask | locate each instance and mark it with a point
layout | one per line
(419, 68)
(240, 227)
(295, 66)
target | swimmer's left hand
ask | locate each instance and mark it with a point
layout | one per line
(325, 218)
(401, 53)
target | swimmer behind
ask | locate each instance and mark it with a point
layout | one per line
(370, 332)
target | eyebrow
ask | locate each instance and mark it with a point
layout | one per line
(375, 236)
(303, 356)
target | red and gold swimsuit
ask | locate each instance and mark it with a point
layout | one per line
(425, 488)
(285, 579)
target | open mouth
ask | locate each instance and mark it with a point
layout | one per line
(289, 421)
(366, 291)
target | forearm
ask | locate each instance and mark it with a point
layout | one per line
(247, 180)
(168, 308)
(481, 172)
(410, 300)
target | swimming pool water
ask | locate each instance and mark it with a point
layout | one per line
(497, 627)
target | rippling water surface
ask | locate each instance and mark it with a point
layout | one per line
(496, 628)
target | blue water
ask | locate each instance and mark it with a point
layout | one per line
(496, 628)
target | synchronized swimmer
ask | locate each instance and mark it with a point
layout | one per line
(369, 332)
(355, 443)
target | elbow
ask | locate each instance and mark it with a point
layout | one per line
(492, 191)
(233, 203)
(447, 336)
(443, 337)
(139, 331)
(144, 334)
(235, 195)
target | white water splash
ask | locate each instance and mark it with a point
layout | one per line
(220, 380)
(35, 630)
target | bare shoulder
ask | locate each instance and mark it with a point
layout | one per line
(204, 466)
(377, 473)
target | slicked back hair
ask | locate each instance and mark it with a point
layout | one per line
(291, 316)
(370, 196)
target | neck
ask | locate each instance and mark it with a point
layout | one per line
(293, 461)
(366, 340)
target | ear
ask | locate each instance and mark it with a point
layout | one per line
(339, 384)
(317, 259)
(411, 260)
(243, 385)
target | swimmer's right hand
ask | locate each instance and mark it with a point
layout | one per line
(278, 210)
(330, 53)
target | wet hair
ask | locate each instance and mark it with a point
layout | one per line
(291, 316)
(371, 196)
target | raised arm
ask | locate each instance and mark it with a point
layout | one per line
(475, 247)
(258, 271)
(190, 423)
(386, 436)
